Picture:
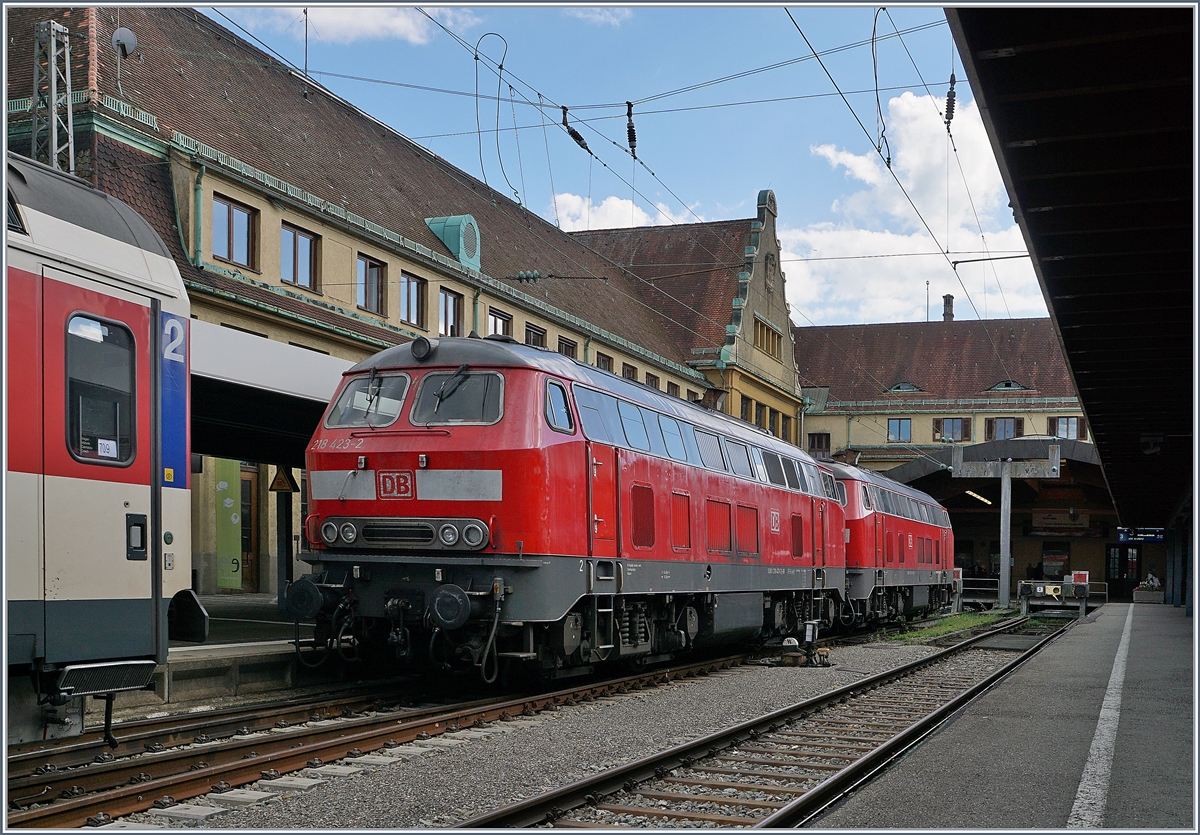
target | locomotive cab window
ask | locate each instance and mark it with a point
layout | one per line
(558, 413)
(372, 401)
(100, 391)
(460, 396)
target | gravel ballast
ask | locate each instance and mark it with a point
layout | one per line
(448, 784)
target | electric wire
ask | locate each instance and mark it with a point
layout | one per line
(903, 190)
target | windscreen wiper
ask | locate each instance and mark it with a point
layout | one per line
(453, 381)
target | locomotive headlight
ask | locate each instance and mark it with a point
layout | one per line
(349, 532)
(448, 534)
(329, 533)
(472, 535)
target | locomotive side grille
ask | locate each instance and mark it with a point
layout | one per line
(403, 533)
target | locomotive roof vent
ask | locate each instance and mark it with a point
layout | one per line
(501, 337)
(460, 234)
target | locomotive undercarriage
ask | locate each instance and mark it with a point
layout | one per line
(478, 617)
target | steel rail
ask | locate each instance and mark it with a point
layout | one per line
(245, 761)
(550, 806)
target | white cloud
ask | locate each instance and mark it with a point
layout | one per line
(576, 213)
(601, 16)
(848, 286)
(349, 24)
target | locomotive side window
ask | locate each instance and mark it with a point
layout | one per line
(673, 438)
(810, 474)
(642, 506)
(866, 494)
(599, 415)
(710, 451)
(739, 458)
(774, 468)
(369, 401)
(720, 526)
(841, 493)
(635, 430)
(100, 391)
(827, 483)
(924, 512)
(653, 433)
(558, 413)
(459, 396)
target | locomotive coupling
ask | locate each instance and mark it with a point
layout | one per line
(452, 607)
(305, 599)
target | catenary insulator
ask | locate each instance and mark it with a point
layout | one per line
(629, 129)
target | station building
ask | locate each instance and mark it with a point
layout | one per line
(310, 235)
(898, 397)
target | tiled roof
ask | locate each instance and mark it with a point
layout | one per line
(204, 81)
(957, 360)
(695, 267)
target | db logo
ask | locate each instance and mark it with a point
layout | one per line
(774, 521)
(395, 484)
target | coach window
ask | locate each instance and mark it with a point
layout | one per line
(100, 389)
(635, 430)
(297, 257)
(774, 468)
(739, 458)
(233, 232)
(372, 401)
(499, 322)
(558, 413)
(673, 438)
(369, 284)
(710, 450)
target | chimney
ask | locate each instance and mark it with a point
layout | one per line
(947, 308)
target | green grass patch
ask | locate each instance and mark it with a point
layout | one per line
(947, 625)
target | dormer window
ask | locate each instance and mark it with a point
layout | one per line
(1008, 385)
(903, 387)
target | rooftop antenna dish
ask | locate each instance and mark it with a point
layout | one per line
(124, 42)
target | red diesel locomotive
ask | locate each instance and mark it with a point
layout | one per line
(477, 502)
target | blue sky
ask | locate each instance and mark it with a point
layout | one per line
(855, 250)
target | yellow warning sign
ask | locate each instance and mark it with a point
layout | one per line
(283, 481)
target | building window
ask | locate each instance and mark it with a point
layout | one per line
(1071, 428)
(604, 362)
(233, 232)
(760, 415)
(766, 338)
(1000, 429)
(785, 428)
(450, 313)
(535, 336)
(629, 372)
(369, 284)
(567, 348)
(298, 257)
(651, 380)
(747, 408)
(693, 396)
(899, 430)
(499, 322)
(818, 444)
(773, 422)
(412, 300)
(952, 429)
(673, 389)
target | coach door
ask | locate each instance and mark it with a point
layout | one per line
(97, 446)
(602, 500)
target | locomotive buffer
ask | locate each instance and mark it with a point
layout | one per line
(1006, 471)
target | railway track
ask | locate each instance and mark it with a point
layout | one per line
(97, 792)
(781, 769)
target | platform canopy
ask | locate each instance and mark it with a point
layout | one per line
(1090, 113)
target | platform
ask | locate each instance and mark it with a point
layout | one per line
(1015, 757)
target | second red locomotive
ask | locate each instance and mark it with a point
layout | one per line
(476, 502)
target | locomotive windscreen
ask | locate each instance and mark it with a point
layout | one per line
(369, 401)
(459, 397)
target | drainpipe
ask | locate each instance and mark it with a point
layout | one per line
(475, 310)
(586, 344)
(197, 217)
(849, 420)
